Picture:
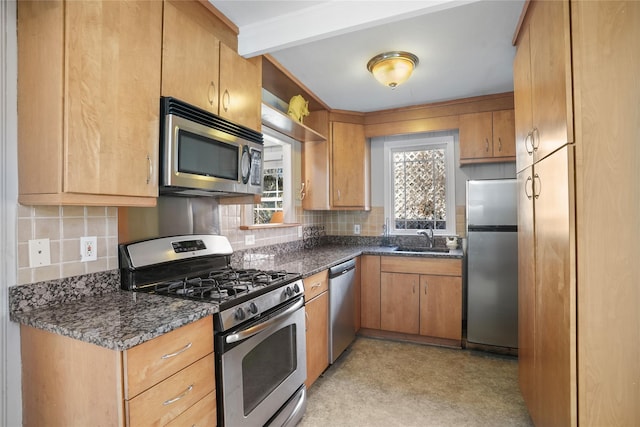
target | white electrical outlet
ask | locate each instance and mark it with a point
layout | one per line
(299, 231)
(39, 253)
(356, 229)
(88, 248)
(249, 239)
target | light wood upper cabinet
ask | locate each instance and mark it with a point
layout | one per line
(190, 56)
(336, 173)
(88, 102)
(240, 96)
(546, 40)
(350, 167)
(199, 69)
(487, 137)
(315, 175)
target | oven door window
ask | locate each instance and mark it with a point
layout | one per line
(267, 365)
(200, 155)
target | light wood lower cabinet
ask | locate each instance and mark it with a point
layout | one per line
(70, 382)
(399, 302)
(440, 306)
(317, 311)
(412, 298)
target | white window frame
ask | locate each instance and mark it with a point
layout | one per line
(417, 142)
(288, 203)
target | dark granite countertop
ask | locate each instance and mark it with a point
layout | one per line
(116, 320)
(311, 261)
(119, 320)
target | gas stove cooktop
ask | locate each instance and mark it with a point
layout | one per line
(198, 267)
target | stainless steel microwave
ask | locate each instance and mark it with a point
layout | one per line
(202, 154)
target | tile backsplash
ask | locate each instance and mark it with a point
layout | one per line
(64, 226)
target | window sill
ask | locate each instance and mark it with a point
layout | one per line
(270, 225)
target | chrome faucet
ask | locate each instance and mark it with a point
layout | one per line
(428, 233)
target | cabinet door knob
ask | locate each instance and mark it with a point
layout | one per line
(226, 100)
(537, 185)
(302, 192)
(535, 139)
(526, 187)
(150, 171)
(526, 146)
(211, 95)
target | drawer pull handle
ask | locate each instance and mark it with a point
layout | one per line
(182, 350)
(316, 285)
(178, 397)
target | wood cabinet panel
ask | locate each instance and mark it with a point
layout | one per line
(202, 414)
(59, 391)
(149, 363)
(604, 36)
(99, 138)
(165, 401)
(315, 175)
(190, 74)
(526, 289)
(433, 266)
(555, 318)
(476, 135)
(317, 311)
(504, 144)
(240, 95)
(400, 302)
(370, 292)
(487, 137)
(542, 93)
(350, 167)
(316, 284)
(522, 101)
(441, 306)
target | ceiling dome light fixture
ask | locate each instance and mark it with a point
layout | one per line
(392, 68)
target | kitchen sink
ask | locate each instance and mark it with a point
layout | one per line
(421, 250)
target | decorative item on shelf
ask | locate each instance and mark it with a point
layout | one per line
(392, 68)
(298, 108)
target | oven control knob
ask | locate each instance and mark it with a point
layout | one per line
(253, 308)
(296, 288)
(239, 315)
(288, 291)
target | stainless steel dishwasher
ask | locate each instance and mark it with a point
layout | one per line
(342, 328)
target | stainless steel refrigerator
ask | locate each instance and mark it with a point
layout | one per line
(492, 262)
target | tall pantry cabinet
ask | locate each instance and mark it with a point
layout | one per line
(579, 204)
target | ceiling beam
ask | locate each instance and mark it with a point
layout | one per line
(328, 19)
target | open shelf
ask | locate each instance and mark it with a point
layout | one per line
(284, 124)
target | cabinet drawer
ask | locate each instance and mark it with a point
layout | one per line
(316, 284)
(149, 363)
(437, 266)
(165, 401)
(201, 414)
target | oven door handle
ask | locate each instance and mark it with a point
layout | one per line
(249, 332)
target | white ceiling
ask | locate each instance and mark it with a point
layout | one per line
(464, 47)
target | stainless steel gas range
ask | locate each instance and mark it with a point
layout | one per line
(260, 343)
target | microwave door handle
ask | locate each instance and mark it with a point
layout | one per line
(249, 332)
